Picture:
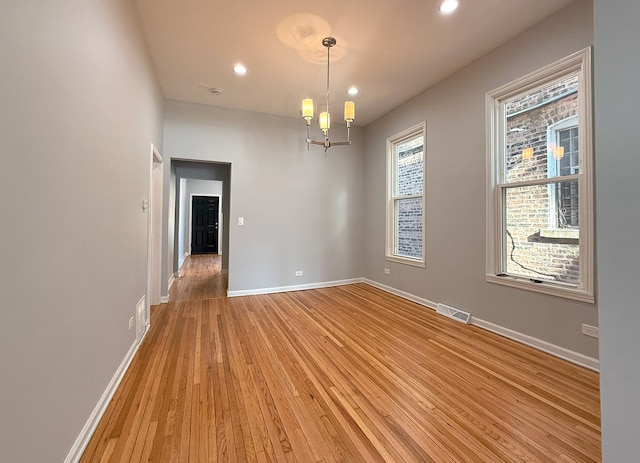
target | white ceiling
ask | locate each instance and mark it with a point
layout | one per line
(390, 49)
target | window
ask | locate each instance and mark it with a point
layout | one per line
(405, 196)
(563, 159)
(539, 186)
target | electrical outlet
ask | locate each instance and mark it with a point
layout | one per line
(131, 323)
(387, 271)
(589, 330)
(299, 273)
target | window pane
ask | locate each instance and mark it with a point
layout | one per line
(532, 247)
(569, 163)
(410, 167)
(528, 118)
(409, 228)
(567, 204)
(542, 95)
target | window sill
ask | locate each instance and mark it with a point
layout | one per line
(545, 287)
(406, 260)
(560, 233)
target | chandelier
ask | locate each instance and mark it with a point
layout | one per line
(325, 118)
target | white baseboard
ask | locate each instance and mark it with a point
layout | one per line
(286, 289)
(165, 299)
(418, 300)
(92, 423)
(557, 351)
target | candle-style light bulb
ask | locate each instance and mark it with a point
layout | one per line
(307, 110)
(349, 111)
(325, 121)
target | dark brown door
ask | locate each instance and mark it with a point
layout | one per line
(204, 225)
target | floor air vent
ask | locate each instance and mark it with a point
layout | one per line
(456, 314)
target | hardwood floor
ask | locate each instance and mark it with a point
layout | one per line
(340, 374)
(200, 278)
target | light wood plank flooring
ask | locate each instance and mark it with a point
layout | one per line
(200, 278)
(347, 374)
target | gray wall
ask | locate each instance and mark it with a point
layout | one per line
(302, 211)
(80, 107)
(617, 67)
(455, 191)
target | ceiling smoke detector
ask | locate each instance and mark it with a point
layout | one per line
(213, 90)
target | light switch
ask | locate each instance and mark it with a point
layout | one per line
(240, 220)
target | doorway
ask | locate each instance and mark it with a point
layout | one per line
(204, 224)
(196, 178)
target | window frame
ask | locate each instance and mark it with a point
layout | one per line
(578, 63)
(391, 228)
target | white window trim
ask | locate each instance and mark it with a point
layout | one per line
(412, 132)
(580, 63)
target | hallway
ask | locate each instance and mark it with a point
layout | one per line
(200, 277)
(347, 373)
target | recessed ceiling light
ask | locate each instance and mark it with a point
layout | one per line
(353, 91)
(449, 6)
(240, 69)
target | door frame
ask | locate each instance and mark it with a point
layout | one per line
(154, 234)
(220, 217)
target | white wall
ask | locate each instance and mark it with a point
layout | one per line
(80, 107)
(617, 101)
(455, 193)
(302, 211)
